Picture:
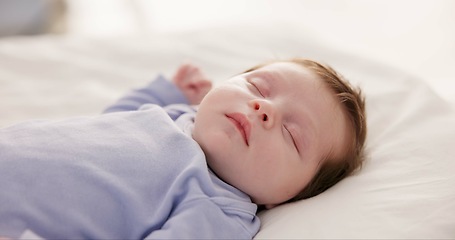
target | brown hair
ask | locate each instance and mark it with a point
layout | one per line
(334, 168)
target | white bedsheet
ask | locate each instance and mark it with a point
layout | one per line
(405, 190)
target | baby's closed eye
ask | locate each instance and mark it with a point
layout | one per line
(289, 133)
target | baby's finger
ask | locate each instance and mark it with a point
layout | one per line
(181, 73)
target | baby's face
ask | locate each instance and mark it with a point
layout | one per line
(267, 131)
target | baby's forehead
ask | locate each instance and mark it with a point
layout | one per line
(276, 66)
(295, 75)
(287, 70)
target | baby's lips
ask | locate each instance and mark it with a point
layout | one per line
(242, 123)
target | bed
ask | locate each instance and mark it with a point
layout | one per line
(406, 188)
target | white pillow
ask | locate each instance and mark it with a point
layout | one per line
(406, 188)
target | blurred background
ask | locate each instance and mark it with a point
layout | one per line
(417, 36)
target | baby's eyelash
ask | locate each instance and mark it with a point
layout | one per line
(292, 137)
(257, 89)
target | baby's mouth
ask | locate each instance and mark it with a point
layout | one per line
(242, 124)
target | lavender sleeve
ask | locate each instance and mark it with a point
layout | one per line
(160, 92)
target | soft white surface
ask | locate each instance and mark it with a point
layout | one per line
(406, 189)
(415, 35)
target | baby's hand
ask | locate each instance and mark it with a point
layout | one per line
(192, 82)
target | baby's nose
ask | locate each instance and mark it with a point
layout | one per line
(265, 112)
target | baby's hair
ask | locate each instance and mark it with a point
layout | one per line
(336, 168)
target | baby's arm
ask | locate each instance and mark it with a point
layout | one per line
(188, 86)
(160, 92)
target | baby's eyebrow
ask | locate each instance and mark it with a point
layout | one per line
(270, 78)
(268, 75)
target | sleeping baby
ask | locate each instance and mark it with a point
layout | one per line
(178, 159)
